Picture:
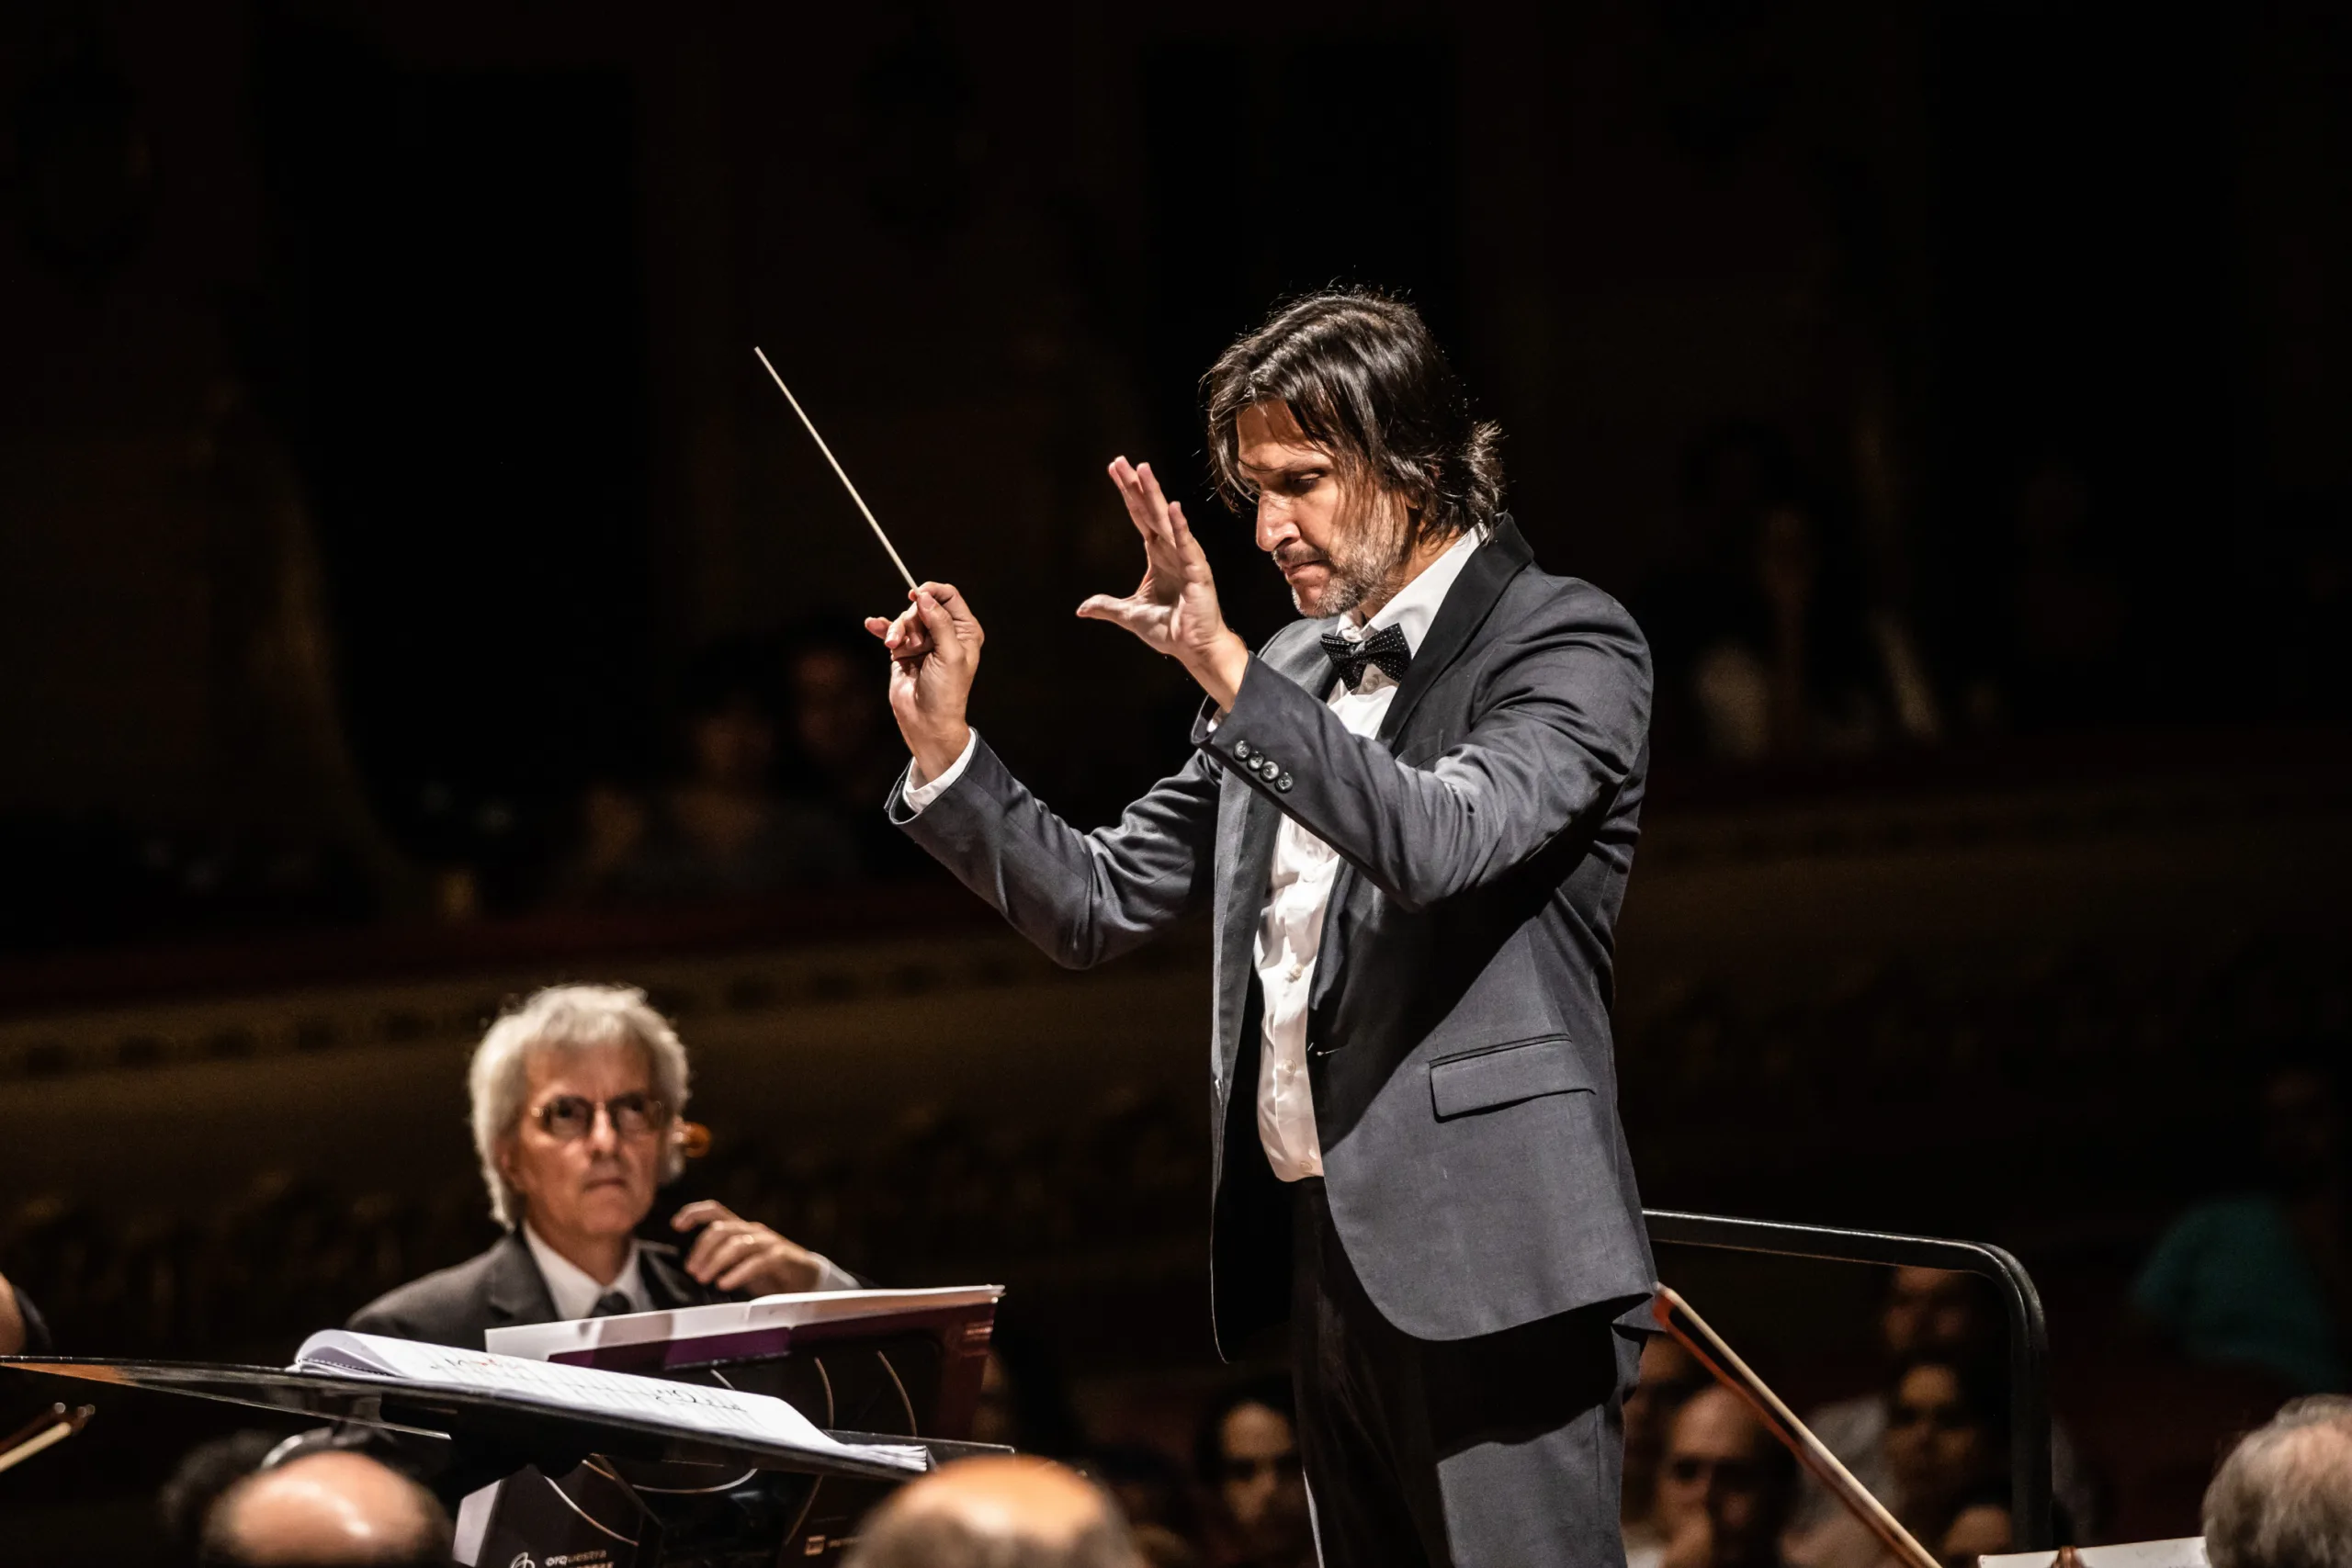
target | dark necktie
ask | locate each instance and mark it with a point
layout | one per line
(612, 1303)
(1385, 649)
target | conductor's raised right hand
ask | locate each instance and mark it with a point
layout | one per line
(934, 647)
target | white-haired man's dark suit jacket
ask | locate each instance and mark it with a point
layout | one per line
(502, 1286)
(1475, 1176)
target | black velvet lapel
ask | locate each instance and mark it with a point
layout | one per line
(1467, 604)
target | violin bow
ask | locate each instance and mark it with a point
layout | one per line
(1674, 1314)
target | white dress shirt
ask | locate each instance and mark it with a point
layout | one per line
(574, 1290)
(919, 796)
(575, 1293)
(1289, 932)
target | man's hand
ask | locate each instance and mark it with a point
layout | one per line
(735, 1254)
(934, 652)
(1174, 610)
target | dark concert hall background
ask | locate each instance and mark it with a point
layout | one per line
(401, 550)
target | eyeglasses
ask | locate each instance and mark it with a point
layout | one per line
(1736, 1474)
(571, 1117)
(1941, 1417)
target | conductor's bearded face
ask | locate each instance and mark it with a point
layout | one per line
(586, 1152)
(1338, 540)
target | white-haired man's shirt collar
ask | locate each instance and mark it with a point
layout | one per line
(574, 1290)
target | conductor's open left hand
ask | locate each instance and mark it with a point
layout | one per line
(1174, 609)
(737, 1254)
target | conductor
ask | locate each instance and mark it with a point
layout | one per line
(1412, 814)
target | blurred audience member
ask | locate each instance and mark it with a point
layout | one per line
(1155, 1496)
(327, 1509)
(2265, 1281)
(1670, 1375)
(1981, 1527)
(844, 753)
(722, 830)
(1932, 1311)
(22, 1332)
(577, 1098)
(1764, 642)
(1947, 1438)
(1248, 1456)
(1725, 1487)
(2283, 1499)
(995, 1513)
(2066, 662)
(197, 1481)
(2302, 560)
(1024, 1404)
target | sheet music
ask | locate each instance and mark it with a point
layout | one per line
(2185, 1552)
(689, 1408)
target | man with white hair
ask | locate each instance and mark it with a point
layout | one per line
(578, 1098)
(2283, 1499)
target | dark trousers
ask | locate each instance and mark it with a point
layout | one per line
(1501, 1451)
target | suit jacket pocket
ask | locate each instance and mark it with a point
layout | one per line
(1505, 1074)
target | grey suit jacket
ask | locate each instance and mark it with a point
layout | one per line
(1458, 1045)
(461, 1304)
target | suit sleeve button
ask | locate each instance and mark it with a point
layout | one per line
(1268, 768)
(1241, 750)
(1282, 784)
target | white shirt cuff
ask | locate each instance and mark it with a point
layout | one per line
(832, 1276)
(917, 796)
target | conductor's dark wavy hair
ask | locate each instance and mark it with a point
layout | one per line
(1364, 378)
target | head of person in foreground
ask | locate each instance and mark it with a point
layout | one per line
(997, 1512)
(329, 1508)
(2283, 1499)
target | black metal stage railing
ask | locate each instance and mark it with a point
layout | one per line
(2028, 1335)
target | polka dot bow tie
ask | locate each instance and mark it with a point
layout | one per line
(1385, 649)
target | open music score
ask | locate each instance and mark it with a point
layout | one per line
(687, 1409)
